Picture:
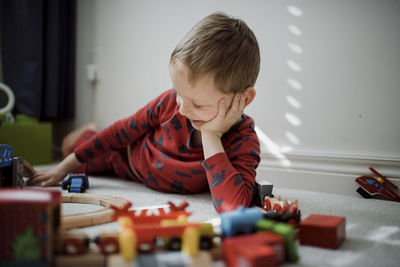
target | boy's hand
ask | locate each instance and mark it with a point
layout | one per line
(52, 177)
(226, 117)
(56, 174)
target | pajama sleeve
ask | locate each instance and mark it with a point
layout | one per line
(126, 131)
(231, 175)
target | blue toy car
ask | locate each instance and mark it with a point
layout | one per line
(241, 220)
(76, 183)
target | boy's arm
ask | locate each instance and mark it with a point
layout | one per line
(126, 131)
(55, 175)
(231, 173)
(231, 178)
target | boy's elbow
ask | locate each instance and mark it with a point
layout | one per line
(229, 204)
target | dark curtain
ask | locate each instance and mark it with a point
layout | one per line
(38, 55)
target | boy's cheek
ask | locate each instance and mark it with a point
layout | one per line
(228, 102)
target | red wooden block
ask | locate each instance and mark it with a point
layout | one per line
(323, 231)
(264, 249)
(29, 220)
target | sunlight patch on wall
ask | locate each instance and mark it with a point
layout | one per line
(295, 11)
(295, 30)
(273, 148)
(295, 48)
(293, 119)
(294, 65)
(295, 84)
(292, 138)
(293, 101)
(294, 105)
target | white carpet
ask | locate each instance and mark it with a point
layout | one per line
(372, 226)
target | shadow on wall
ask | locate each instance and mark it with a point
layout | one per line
(296, 87)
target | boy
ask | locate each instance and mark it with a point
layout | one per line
(191, 138)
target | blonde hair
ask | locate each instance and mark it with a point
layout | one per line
(224, 47)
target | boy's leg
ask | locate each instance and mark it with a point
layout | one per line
(76, 137)
(98, 165)
(114, 163)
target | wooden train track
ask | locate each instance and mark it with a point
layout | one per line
(89, 218)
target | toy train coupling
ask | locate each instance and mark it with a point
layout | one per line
(120, 212)
(181, 207)
(380, 187)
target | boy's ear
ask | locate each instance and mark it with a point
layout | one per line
(250, 93)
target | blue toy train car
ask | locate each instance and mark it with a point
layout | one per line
(76, 183)
(240, 220)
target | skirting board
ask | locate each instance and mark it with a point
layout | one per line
(324, 173)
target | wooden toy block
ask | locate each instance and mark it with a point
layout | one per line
(190, 241)
(323, 231)
(29, 219)
(288, 234)
(127, 244)
(259, 249)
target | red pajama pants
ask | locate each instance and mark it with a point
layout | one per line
(115, 162)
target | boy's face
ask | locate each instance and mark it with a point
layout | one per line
(198, 102)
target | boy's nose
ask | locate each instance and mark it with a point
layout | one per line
(183, 110)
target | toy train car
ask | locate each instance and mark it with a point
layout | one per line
(170, 234)
(144, 233)
(76, 183)
(11, 169)
(242, 220)
(281, 210)
(78, 243)
(246, 221)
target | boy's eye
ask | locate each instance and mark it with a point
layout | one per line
(196, 106)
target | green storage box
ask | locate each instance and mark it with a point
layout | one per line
(30, 139)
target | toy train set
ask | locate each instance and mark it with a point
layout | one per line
(268, 235)
(248, 235)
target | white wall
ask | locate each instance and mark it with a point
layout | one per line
(328, 112)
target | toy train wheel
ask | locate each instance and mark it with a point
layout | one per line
(64, 186)
(205, 243)
(74, 246)
(107, 245)
(147, 247)
(174, 243)
(277, 207)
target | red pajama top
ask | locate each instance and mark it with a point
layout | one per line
(166, 160)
